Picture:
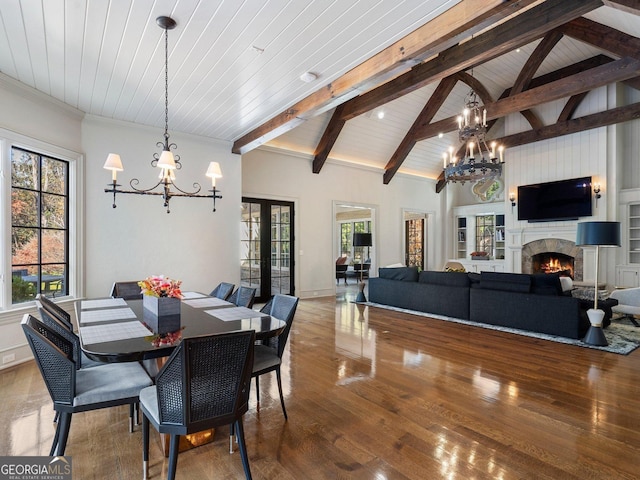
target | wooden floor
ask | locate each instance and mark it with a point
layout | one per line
(374, 394)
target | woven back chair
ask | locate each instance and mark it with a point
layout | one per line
(73, 390)
(56, 310)
(243, 297)
(204, 384)
(223, 290)
(268, 355)
(127, 290)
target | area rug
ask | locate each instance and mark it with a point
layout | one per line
(623, 337)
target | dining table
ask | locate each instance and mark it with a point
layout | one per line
(119, 330)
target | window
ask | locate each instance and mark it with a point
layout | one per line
(347, 229)
(485, 227)
(39, 225)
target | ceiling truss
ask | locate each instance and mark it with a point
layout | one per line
(549, 21)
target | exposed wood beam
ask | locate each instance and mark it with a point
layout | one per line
(629, 6)
(580, 124)
(328, 139)
(440, 94)
(549, 41)
(450, 28)
(449, 124)
(569, 108)
(514, 33)
(613, 72)
(603, 37)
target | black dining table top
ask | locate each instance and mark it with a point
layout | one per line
(97, 317)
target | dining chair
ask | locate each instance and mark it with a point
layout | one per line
(56, 310)
(204, 384)
(223, 290)
(268, 353)
(243, 297)
(128, 290)
(82, 361)
(73, 390)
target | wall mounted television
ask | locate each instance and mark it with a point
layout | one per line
(553, 201)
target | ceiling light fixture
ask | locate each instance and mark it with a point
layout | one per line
(166, 161)
(308, 77)
(479, 162)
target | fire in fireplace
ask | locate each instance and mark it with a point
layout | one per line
(552, 262)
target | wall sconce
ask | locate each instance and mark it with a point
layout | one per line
(596, 190)
(512, 199)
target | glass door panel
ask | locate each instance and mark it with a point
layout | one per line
(271, 261)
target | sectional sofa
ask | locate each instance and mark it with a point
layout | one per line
(527, 302)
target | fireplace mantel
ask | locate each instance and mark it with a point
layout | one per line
(519, 237)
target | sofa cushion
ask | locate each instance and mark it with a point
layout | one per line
(546, 284)
(405, 274)
(449, 279)
(474, 278)
(508, 282)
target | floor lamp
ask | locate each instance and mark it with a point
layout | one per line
(361, 240)
(597, 234)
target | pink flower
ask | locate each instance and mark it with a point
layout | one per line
(161, 286)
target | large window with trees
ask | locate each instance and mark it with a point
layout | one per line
(39, 225)
(347, 229)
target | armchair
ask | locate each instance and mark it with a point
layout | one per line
(628, 303)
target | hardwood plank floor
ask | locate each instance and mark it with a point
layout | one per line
(376, 394)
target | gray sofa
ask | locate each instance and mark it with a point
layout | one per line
(527, 302)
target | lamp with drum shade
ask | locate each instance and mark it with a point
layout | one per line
(361, 239)
(597, 234)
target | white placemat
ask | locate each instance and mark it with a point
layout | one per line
(103, 303)
(207, 302)
(94, 316)
(189, 295)
(112, 332)
(236, 313)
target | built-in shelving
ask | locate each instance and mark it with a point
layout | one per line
(461, 233)
(634, 233)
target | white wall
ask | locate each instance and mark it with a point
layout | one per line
(138, 238)
(276, 175)
(37, 121)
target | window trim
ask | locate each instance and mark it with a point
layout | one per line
(9, 139)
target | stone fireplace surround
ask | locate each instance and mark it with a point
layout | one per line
(553, 245)
(540, 238)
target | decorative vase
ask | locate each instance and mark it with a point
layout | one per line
(161, 314)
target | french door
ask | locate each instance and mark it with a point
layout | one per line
(414, 242)
(266, 247)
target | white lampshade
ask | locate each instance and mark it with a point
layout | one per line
(166, 160)
(113, 163)
(214, 170)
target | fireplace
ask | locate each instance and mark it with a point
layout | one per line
(553, 255)
(552, 262)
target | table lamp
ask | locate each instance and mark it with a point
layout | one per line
(361, 240)
(597, 234)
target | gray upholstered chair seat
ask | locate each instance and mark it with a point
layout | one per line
(109, 382)
(265, 357)
(88, 363)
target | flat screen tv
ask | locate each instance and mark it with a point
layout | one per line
(551, 201)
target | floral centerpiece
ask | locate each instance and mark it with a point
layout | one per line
(161, 300)
(161, 286)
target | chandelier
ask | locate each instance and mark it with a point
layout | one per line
(166, 161)
(480, 162)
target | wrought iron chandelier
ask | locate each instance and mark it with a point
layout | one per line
(480, 161)
(166, 161)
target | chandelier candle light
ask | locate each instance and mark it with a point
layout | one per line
(166, 161)
(479, 162)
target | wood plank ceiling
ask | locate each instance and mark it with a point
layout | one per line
(234, 69)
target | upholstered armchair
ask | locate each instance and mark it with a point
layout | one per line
(628, 303)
